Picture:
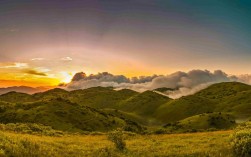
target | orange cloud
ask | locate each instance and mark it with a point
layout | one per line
(34, 72)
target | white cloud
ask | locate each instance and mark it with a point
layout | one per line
(183, 91)
(37, 59)
(15, 65)
(66, 59)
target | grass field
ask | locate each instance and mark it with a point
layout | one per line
(191, 144)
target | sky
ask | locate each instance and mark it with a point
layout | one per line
(44, 42)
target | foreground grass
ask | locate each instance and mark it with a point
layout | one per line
(192, 144)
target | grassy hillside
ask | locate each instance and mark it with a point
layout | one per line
(96, 97)
(127, 92)
(4, 106)
(182, 108)
(238, 104)
(15, 97)
(63, 115)
(230, 97)
(128, 115)
(100, 97)
(221, 91)
(143, 104)
(50, 94)
(208, 121)
(50, 108)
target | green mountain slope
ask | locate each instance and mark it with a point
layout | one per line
(221, 91)
(128, 115)
(50, 94)
(63, 115)
(182, 108)
(231, 97)
(143, 104)
(16, 97)
(238, 104)
(207, 121)
(100, 97)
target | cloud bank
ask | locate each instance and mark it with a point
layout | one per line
(184, 83)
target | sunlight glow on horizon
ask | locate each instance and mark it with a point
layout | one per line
(47, 42)
(66, 76)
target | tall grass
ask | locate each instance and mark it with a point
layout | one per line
(117, 137)
(241, 140)
(192, 144)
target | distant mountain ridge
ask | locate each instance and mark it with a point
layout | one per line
(23, 89)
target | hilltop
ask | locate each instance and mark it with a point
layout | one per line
(204, 121)
(101, 97)
(16, 97)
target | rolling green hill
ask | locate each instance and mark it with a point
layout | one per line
(238, 104)
(101, 97)
(50, 94)
(143, 104)
(103, 108)
(205, 121)
(16, 97)
(184, 107)
(128, 115)
(230, 97)
(222, 91)
(64, 115)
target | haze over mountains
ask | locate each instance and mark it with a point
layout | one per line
(23, 89)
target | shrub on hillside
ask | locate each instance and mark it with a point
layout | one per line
(117, 138)
(30, 128)
(241, 140)
(160, 131)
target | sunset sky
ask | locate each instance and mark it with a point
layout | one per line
(45, 42)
